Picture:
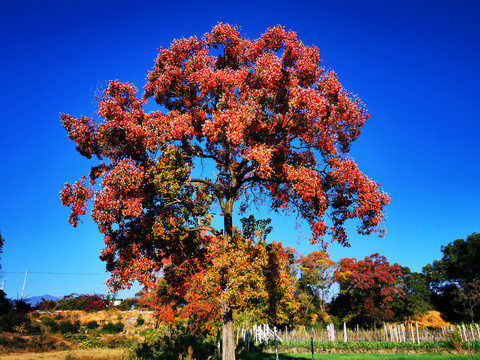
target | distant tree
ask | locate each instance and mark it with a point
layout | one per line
(470, 297)
(316, 279)
(453, 279)
(269, 124)
(416, 295)
(367, 289)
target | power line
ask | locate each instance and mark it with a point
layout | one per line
(51, 273)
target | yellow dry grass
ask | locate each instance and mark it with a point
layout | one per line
(128, 318)
(77, 354)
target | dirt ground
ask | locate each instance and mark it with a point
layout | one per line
(77, 354)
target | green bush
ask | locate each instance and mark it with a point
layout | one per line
(455, 340)
(140, 321)
(92, 325)
(147, 332)
(110, 328)
(67, 327)
(173, 348)
(12, 321)
(51, 324)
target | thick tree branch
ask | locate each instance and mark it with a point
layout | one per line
(204, 228)
(214, 187)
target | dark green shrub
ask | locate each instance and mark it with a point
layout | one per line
(140, 321)
(12, 321)
(110, 328)
(92, 325)
(5, 304)
(21, 306)
(67, 327)
(173, 348)
(34, 329)
(455, 340)
(51, 324)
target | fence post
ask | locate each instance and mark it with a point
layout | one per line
(344, 332)
(418, 337)
(311, 342)
(276, 343)
(464, 332)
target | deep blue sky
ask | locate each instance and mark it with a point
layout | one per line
(415, 64)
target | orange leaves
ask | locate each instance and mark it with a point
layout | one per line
(262, 155)
(121, 194)
(368, 202)
(304, 181)
(180, 125)
(267, 73)
(81, 131)
(76, 196)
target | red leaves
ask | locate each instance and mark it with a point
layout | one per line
(253, 119)
(81, 131)
(373, 281)
(76, 196)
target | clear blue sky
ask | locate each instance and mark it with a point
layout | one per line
(415, 64)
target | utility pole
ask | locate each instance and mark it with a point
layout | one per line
(24, 281)
(3, 282)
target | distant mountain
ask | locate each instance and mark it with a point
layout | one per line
(35, 300)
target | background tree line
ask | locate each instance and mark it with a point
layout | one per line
(372, 291)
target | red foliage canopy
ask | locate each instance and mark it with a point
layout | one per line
(372, 283)
(272, 123)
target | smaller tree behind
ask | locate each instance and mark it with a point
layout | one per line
(367, 289)
(416, 296)
(316, 278)
(454, 280)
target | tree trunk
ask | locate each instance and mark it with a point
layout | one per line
(228, 342)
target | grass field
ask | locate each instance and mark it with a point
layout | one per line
(262, 356)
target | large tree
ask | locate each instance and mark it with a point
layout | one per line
(240, 122)
(455, 279)
(367, 289)
(416, 296)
